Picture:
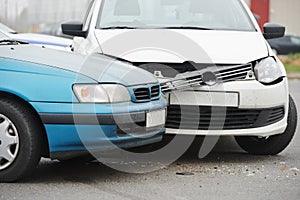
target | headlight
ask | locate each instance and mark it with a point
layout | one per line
(103, 93)
(268, 70)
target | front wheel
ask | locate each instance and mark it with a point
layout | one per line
(20, 140)
(272, 145)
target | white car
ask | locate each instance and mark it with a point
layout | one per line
(233, 83)
(37, 39)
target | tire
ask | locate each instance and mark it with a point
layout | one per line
(272, 145)
(17, 120)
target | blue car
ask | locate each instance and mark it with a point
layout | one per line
(60, 105)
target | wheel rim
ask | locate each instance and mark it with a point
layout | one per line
(9, 142)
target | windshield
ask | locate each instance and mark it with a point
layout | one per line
(204, 14)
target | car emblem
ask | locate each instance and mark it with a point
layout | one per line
(209, 78)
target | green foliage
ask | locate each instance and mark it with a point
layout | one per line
(292, 68)
(294, 56)
(291, 62)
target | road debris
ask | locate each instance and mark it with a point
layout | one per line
(295, 169)
(282, 169)
(250, 174)
(185, 173)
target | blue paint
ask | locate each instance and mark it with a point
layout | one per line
(35, 82)
(81, 108)
(93, 137)
(49, 90)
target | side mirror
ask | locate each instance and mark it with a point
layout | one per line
(272, 31)
(74, 29)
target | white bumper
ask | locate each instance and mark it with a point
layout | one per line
(240, 94)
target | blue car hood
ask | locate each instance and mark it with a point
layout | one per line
(101, 68)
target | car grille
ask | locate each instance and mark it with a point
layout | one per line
(234, 73)
(154, 91)
(142, 94)
(223, 74)
(221, 118)
(146, 93)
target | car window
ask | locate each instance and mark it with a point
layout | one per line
(211, 14)
(295, 40)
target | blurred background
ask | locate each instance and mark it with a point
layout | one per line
(286, 12)
(45, 16)
(41, 16)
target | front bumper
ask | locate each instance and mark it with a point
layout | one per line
(73, 128)
(247, 95)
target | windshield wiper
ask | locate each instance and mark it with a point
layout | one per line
(118, 27)
(11, 42)
(186, 27)
(154, 27)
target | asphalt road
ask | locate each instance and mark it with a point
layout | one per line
(227, 173)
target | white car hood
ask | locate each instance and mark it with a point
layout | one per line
(177, 46)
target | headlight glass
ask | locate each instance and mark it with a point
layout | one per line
(101, 93)
(268, 70)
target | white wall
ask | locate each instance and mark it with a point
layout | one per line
(25, 15)
(286, 12)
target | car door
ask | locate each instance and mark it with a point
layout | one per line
(295, 44)
(281, 45)
(285, 45)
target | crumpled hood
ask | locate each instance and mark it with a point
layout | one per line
(177, 46)
(98, 67)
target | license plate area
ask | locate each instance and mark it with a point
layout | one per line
(203, 98)
(155, 118)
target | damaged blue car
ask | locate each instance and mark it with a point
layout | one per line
(61, 105)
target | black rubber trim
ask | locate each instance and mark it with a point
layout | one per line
(221, 118)
(93, 119)
(124, 144)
